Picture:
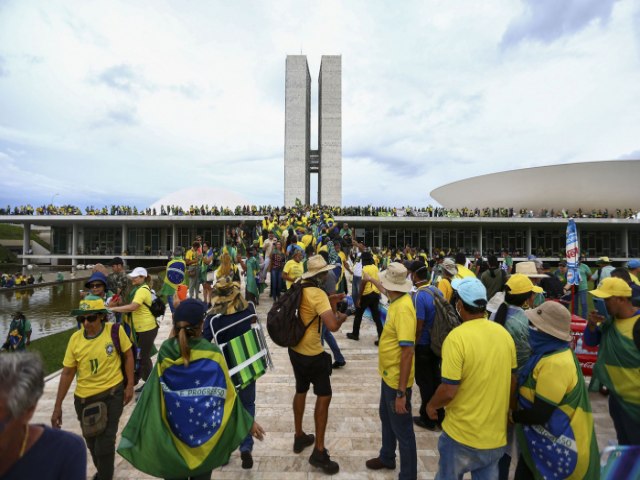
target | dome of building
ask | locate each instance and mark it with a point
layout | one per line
(587, 185)
(197, 196)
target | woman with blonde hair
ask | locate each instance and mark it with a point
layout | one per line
(227, 268)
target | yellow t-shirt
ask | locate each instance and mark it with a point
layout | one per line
(626, 379)
(96, 359)
(369, 287)
(293, 269)
(634, 278)
(314, 303)
(555, 376)
(308, 240)
(143, 319)
(191, 254)
(464, 272)
(399, 331)
(479, 357)
(444, 285)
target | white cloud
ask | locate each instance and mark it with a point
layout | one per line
(164, 96)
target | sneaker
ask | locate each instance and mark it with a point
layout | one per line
(321, 460)
(303, 441)
(353, 336)
(424, 424)
(247, 460)
(337, 364)
(376, 464)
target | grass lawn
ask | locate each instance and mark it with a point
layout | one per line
(52, 348)
(13, 232)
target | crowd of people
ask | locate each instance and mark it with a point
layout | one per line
(486, 341)
(10, 280)
(349, 211)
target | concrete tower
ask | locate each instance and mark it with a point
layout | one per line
(299, 160)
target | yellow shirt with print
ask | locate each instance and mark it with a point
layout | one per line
(314, 303)
(96, 360)
(479, 357)
(399, 331)
(369, 287)
(293, 269)
(143, 319)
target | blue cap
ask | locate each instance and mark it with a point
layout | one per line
(632, 264)
(191, 311)
(96, 277)
(471, 291)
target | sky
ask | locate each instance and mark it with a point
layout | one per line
(118, 102)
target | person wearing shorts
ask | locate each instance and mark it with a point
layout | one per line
(312, 365)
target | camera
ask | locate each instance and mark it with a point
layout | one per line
(342, 306)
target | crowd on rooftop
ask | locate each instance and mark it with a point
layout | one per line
(350, 211)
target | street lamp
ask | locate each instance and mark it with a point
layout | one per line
(54, 196)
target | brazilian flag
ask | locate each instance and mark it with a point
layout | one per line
(188, 419)
(565, 446)
(175, 273)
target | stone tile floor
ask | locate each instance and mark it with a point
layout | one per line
(353, 431)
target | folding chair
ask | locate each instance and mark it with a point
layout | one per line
(620, 461)
(247, 354)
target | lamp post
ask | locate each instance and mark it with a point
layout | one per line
(54, 196)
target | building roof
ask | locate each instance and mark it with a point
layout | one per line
(588, 185)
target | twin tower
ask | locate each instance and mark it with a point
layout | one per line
(300, 161)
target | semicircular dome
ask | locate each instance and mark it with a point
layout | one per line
(197, 196)
(587, 185)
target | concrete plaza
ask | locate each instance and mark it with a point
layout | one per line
(353, 431)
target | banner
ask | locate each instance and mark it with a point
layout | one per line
(573, 253)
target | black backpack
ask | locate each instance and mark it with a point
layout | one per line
(284, 324)
(157, 307)
(115, 338)
(444, 321)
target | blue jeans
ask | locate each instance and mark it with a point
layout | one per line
(248, 398)
(397, 429)
(276, 283)
(457, 459)
(581, 301)
(333, 345)
(355, 288)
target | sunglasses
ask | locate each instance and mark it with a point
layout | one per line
(96, 285)
(89, 318)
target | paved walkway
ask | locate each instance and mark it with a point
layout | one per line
(353, 431)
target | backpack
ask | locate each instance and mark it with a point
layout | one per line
(284, 324)
(115, 338)
(157, 307)
(444, 321)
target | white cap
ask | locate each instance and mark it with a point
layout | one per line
(139, 272)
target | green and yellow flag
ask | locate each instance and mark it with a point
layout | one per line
(188, 419)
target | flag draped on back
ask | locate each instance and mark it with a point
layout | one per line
(175, 273)
(564, 447)
(188, 420)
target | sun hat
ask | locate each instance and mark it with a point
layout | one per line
(191, 311)
(471, 291)
(226, 297)
(89, 305)
(633, 264)
(394, 278)
(316, 265)
(519, 283)
(603, 260)
(529, 269)
(552, 318)
(138, 272)
(96, 277)
(450, 266)
(612, 287)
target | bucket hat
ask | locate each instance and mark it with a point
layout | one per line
(316, 265)
(394, 278)
(529, 269)
(450, 266)
(89, 305)
(552, 318)
(96, 277)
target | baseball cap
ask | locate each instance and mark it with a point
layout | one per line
(612, 287)
(191, 311)
(519, 283)
(138, 272)
(633, 264)
(471, 291)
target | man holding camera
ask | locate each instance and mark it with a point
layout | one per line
(311, 364)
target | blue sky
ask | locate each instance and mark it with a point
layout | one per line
(123, 102)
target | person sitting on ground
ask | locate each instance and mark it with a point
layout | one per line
(19, 336)
(33, 451)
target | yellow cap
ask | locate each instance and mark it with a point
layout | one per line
(612, 287)
(519, 283)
